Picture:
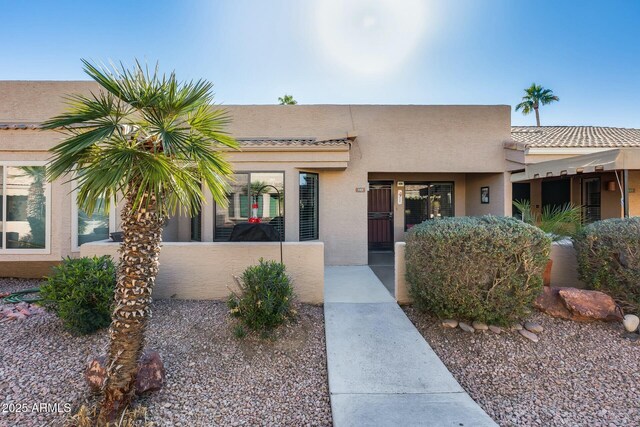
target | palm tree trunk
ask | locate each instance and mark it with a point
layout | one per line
(142, 236)
(537, 116)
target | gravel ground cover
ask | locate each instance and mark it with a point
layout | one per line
(212, 377)
(578, 374)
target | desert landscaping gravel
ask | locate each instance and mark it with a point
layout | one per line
(212, 377)
(578, 374)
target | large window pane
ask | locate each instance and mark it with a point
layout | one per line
(26, 207)
(93, 227)
(237, 210)
(429, 200)
(308, 206)
(244, 190)
(270, 207)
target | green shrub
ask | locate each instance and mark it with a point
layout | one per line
(80, 292)
(265, 298)
(476, 268)
(608, 254)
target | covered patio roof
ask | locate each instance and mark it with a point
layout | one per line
(610, 160)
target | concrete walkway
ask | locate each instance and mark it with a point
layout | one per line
(381, 371)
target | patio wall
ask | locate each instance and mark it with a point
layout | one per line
(204, 271)
(563, 273)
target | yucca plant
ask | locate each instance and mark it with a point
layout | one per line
(152, 139)
(557, 221)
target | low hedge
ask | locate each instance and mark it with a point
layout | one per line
(80, 291)
(608, 254)
(476, 268)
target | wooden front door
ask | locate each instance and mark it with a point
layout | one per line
(380, 215)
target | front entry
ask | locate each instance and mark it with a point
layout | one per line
(380, 215)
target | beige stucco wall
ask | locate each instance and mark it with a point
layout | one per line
(564, 271)
(401, 290)
(634, 193)
(206, 270)
(390, 139)
(499, 194)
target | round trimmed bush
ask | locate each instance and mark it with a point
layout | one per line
(80, 292)
(608, 254)
(266, 296)
(476, 268)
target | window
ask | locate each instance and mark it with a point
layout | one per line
(243, 193)
(308, 206)
(196, 228)
(87, 228)
(591, 200)
(429, 200)
(24, 208)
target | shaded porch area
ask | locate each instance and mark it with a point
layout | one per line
(604, 184)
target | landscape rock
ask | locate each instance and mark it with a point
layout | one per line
(450, 323)
(590, 305)
(150, 377)
(479, 326)
(495, 329)
(631, 322)
(533, 327)
(549, 302)
(516, 327)
(577, 304)
(466, 328)
(530, 335)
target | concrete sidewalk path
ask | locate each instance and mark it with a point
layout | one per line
(381, 370)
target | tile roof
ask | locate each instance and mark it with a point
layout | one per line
(244, 142)
(292, 142)
(19, 126)
(575, 136)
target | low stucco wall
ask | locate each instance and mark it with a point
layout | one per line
(564, 271)
(401, 289)
(205, 270)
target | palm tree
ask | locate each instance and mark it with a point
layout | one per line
(535, 96)
(154, 140)
(287, 100)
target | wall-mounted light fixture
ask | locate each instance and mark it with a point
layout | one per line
(611, 186)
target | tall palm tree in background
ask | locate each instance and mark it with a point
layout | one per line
(535, 96)
(287, 100)
(153, 140)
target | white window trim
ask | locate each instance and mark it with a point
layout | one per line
(74, 218)
(47, 193)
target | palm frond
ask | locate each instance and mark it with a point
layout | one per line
(144, 134)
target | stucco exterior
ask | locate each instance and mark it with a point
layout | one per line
(186, 268)
(463, 144)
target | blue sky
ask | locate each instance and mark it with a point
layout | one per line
(352, 51)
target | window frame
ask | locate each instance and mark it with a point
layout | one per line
(4, 164)
(75, 247)
(249, 172)
(317, 202)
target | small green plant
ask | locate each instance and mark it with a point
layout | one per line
(476, 268)
(608, 254)
(557, 221)
(80, 292)
(265, 298)
(239, 331)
